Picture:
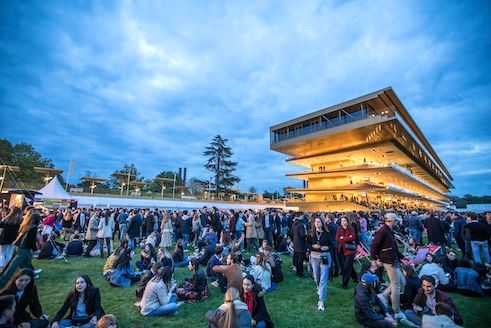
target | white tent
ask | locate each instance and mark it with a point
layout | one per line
(53, 190)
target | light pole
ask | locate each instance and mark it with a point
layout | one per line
(174, 187)
(162, 192)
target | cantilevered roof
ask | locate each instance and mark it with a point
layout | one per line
(389, 99)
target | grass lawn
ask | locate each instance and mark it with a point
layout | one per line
(293, 305)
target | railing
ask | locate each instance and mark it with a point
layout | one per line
(327, 121)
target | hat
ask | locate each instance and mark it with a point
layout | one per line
(369, 278)
(414, 213)
(392, 217)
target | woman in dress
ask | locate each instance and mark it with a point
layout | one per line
(166, 229)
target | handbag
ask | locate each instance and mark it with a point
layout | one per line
(80, 319)
(350, 246)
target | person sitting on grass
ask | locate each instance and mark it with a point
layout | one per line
(262, 271)
(233, 313)
(107, 321)
(365, 301)
(7, 310)
(193, 289)
(23, 288)
(110, 263)
(231, 273)
(252, 296)
(149, 274)
(123, 274)
(84, 303)
(208, 252)
(158, 298)
(413, 283)
(178, 255)
(467, 279)
(212, 262)
(74, 246)
(147, 258)
(442, 279)
(165, 258)
(444, 317)
(425, 301)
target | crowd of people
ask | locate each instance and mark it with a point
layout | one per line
(240, 254)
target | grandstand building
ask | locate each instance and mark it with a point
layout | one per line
(365, 153)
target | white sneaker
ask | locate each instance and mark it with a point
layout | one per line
(320, 306)
(37, 271)
(408, 323)
(215, 284)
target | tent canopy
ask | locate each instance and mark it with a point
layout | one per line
(53, 190)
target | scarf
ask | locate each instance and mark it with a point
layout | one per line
(249, 300)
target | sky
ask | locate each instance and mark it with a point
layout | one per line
(152, 82)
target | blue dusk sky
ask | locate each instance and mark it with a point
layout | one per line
(151, 82)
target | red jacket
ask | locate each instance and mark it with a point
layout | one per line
(348, 235)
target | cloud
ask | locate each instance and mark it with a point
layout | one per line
(151, 83)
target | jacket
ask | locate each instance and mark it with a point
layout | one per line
(467, 279)
(233, 274)
(9, 233)
(413, 284)
(420, 300)
(438, 321)
(105, 230)
(436, 233)
(364, 305)
(92, 228)
(29, 298)
(384, 246)
(92, 302)
(213, 261)
(349, 236)
(122, 276)
(242, 317)
(156, 294)
(259, 311)
(199, 281)
(186, 224)
(414, 222)
(299, 233)
(28, 240)
(436, 271)
(250, 227)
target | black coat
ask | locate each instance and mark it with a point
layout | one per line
(9, 233)
(29, 298)
(259, 311)
(299, 233)
(134, 226)
(92, 304)
(436, 232)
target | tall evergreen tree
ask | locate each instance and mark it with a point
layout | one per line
(219, 163)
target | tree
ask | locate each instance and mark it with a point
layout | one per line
(156, 186)
(218, 154)
(252, 190)
(26, 158)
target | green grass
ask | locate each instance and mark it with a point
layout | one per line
(294, 304)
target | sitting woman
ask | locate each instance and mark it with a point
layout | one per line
(178, 255)
(158, 298)
(145, 278)
(23, 288)
(123, 274)
(110, 264)
(75, 246)
(165, 258)
(225, 242)
(413, 284)
(84, 303)
(147, 258)
(253, 298)
(262, 271)
(195, 288)
(232, 313)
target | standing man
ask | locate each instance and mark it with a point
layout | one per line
(267, 221)
(384, 248)
(479, 235)
(298, 234)
(458, 230)
(436, 232)
(415, 227)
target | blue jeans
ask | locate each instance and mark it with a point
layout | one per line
(320, 272)
(185, 239)
(477, 247)
(260, 324)
(122, 231)
(67, 323)
(165, 309)
(416, 234)
(183, 263)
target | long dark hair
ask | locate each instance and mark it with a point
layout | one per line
(124, 259)
(74, 295)
(11, 286)
(256, 287)
(107, 214)
(14, 216)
